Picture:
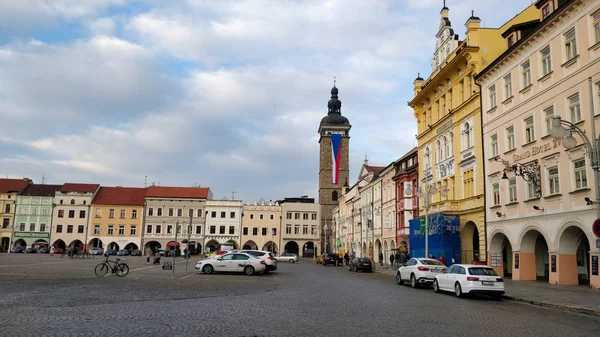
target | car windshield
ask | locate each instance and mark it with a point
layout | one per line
(482, 271)
(430, 262)
(363, 260)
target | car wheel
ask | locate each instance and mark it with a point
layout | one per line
(249, 270)
(207, 269)
(399, 279)
(458, 290)
(291, 261)
(413, 281)
(436, 286)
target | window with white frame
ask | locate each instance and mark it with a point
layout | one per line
(570, 44)
(507, 86)
(427, 158)
(529, 132)
(492, 93)
(512, 190)
(579, 173)
(496, 194)
(467, 134)
(546, 61)
(530, 190)
(438, 148)
(574, 108)
(553, 182)
(446, 146)
(494, 145)
(548, 115)
(526, 70)
(596, 24)
(545, 11)
(510, 138)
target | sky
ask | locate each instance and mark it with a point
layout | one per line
(220, 94)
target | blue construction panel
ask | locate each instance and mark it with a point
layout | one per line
(444, 237)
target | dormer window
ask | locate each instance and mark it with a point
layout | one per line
(511, 40)
(545, 11)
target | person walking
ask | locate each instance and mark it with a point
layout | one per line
(442, 260)
(380, 258)
(397, 259)
(392, 260)
(346, 259)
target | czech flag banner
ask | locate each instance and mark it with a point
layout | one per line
(336, 144)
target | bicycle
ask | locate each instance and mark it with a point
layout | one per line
(116, 267)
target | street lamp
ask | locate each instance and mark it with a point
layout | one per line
(425, 193)
(529, 172)
(564, 130)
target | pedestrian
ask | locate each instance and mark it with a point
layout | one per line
(380, 258)
(397, 258)
(442, 260)
(392, 260)
(346, 258)
(431, 256)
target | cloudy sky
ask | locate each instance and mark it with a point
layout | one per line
(225, 94)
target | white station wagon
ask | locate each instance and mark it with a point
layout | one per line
(470, 279)
(232, 263)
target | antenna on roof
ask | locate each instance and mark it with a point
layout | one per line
(145, 181)
(233, 195)
(43, 179)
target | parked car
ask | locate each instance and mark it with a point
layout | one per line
(96, 251)
(123, 252)
(162, 252)
(419, 271)
(56, 250)
(232, 262)
(361, 263)
(110, 252)
(464, 279)
(331, 258)
(287, 257)
(136, 252)
(31, 250)
(18, 249)
(43, 250)
(270, 261)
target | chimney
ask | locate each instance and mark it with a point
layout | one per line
(473, 22)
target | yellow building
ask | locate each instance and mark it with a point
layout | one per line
(261, 226)
(447, 107)
(117, 218)
(9, 189)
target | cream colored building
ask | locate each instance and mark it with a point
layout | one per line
(223, 220)
(71, 218)
(540, 229)
(299, 225)
(388, 212)
(261, 226)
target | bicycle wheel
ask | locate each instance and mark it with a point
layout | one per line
(122, 270)
(101, 269)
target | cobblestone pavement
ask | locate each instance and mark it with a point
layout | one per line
(48, 296)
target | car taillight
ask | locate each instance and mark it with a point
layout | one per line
(270, 258)
(327, 258)
(358, 264)
(262, 262)
(421, 268)
(499, 279)
(472, 278)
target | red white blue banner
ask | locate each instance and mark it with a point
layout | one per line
(336, 144)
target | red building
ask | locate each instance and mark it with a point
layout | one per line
(407, 207)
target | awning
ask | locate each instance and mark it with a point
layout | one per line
(184, 241)
(172, 244)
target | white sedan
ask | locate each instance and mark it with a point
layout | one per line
(232, 263)
(419, 271)
(470, 279)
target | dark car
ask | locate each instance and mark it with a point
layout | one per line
(361, 263)
(110, 252)
(136, 252)
(31, 250)
(18, 249)
(43, 250)
(331, 258)
(123, 252)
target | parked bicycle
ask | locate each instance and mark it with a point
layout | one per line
(115, 267)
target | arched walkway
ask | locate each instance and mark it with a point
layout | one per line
(194, 247)
(20, 242)
(364, 252)
(212, 245)
(250, 245)
(377, 251)
(469, 238)
(59, 244)
(500, 244)
(131, 246)
(96, 243)
(573, 257)
(393, 245)
(291, 247)
(76, 244)
(40, 243)
(308, 250)
(114, 246)
(154, 246)
(533, 257)
(386, 253)
(270, 246)
(232, 243)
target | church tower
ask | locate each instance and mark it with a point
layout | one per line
(334, 143)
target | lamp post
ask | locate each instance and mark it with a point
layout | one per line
(427, 191)
(175, 245)
(326, 228)
(564, 130)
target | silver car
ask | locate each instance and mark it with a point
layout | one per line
(96, 251)
(287, 257)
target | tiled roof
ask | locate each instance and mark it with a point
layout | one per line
(13, 185)
(178, 192)
(127, 196)
(41, 190)
(375, 169)
(79, 188)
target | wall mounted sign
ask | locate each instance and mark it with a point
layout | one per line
(537, 150)
(596, 227)
(595, 265)
(553, 263)
(516, 260)
(496, 259)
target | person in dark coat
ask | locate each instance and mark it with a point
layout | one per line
(380, 258)
(346, 259)
(391, 260)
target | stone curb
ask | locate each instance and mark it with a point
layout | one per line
(562, 307)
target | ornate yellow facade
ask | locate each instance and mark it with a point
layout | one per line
(448, 110)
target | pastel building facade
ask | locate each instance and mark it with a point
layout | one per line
(9, 189)
(261, 226)
(223, 220)
(406, 201)
(300, 227)
(33, 218)
(539, 225)
(70, 220)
